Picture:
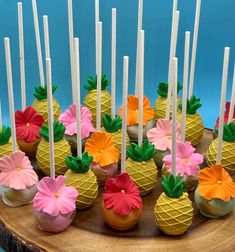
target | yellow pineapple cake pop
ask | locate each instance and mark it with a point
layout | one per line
(161, 101)
(80, 177)
(40, 103)
(61, 149)
(173, 210)
(141, 167)
(91, 97)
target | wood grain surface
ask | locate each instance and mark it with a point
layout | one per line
(19, 232)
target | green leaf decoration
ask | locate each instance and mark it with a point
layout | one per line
(192, 105)
(92, 83)
(112, 125)
(163, 89)
(229, 132)
(5, 135)
(59, 130)
(173, 186)
(40, 92)
(143, 153)
(79, 164)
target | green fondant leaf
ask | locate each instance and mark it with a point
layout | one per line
(228, 133)
(58, 128)
(40, 92)
(173, 186)
(192, 105)
(92, 83)
(5, 135)
(79, 164)
(143, 153)
(163, 88)
(112, 125)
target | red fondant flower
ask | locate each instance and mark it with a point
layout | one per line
(226, 115)
(28, 124)
(122, 195)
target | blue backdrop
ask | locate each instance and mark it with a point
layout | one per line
(215, 32)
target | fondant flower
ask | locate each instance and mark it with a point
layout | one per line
(54, 197)
(17, 172)
(161, 135)
(122, 195)
(226, 115)
(187, 161)
(102, 148)
(28, 124)
(68, 118)
(133, 110)
(216, 183)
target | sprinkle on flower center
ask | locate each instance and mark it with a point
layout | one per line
(185, 160)
(27, 124)
(18, 169)
(219, 182)
(169, 137)
(102, 151)
(56, 195)
(137, 110)
(123, 191)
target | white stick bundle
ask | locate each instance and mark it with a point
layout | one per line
(50, 117)
(113, 63)
(99, 76)
(21, 47)
(194, 49)
(222, 103)
(78, 102)
(38, 43)
(10, 92)
(185, 84)
(141, 87)
(124, 115)
(232, 103)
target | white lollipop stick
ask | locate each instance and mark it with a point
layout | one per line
(141, 87)
(124, 112)
(185, 85)
(78, 102)
(0, 115)
(232, 103)
(222, 103)
(22, 64)
(71, 47)
(46, 37)
(99, 76)
(10, 92)
(173, 46)
(50, 117)
(113, 63)
(97, 19)
(38, 43)
(194, 49)
(174, 112)
(140, 18)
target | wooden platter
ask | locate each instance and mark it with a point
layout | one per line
(19, 232)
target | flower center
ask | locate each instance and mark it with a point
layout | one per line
(123, 191)
(137, 110)
(169, 137)
(185, 160)
(18, 169)
(27, 124)
(219, 182)
(56, 196)
(101, 151)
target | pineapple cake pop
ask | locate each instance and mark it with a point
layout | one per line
(62, 149)
(5, 141)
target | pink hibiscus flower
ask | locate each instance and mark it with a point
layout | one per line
(28, 124)
(161, 135)
(187, 161)
(17, 172)
(121, 195)
(68, 118)
(54, 198)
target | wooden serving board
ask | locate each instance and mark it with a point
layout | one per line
(19, 232)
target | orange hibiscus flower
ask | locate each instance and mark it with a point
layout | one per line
(133, 110)
(215, 183)
(102, 148)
